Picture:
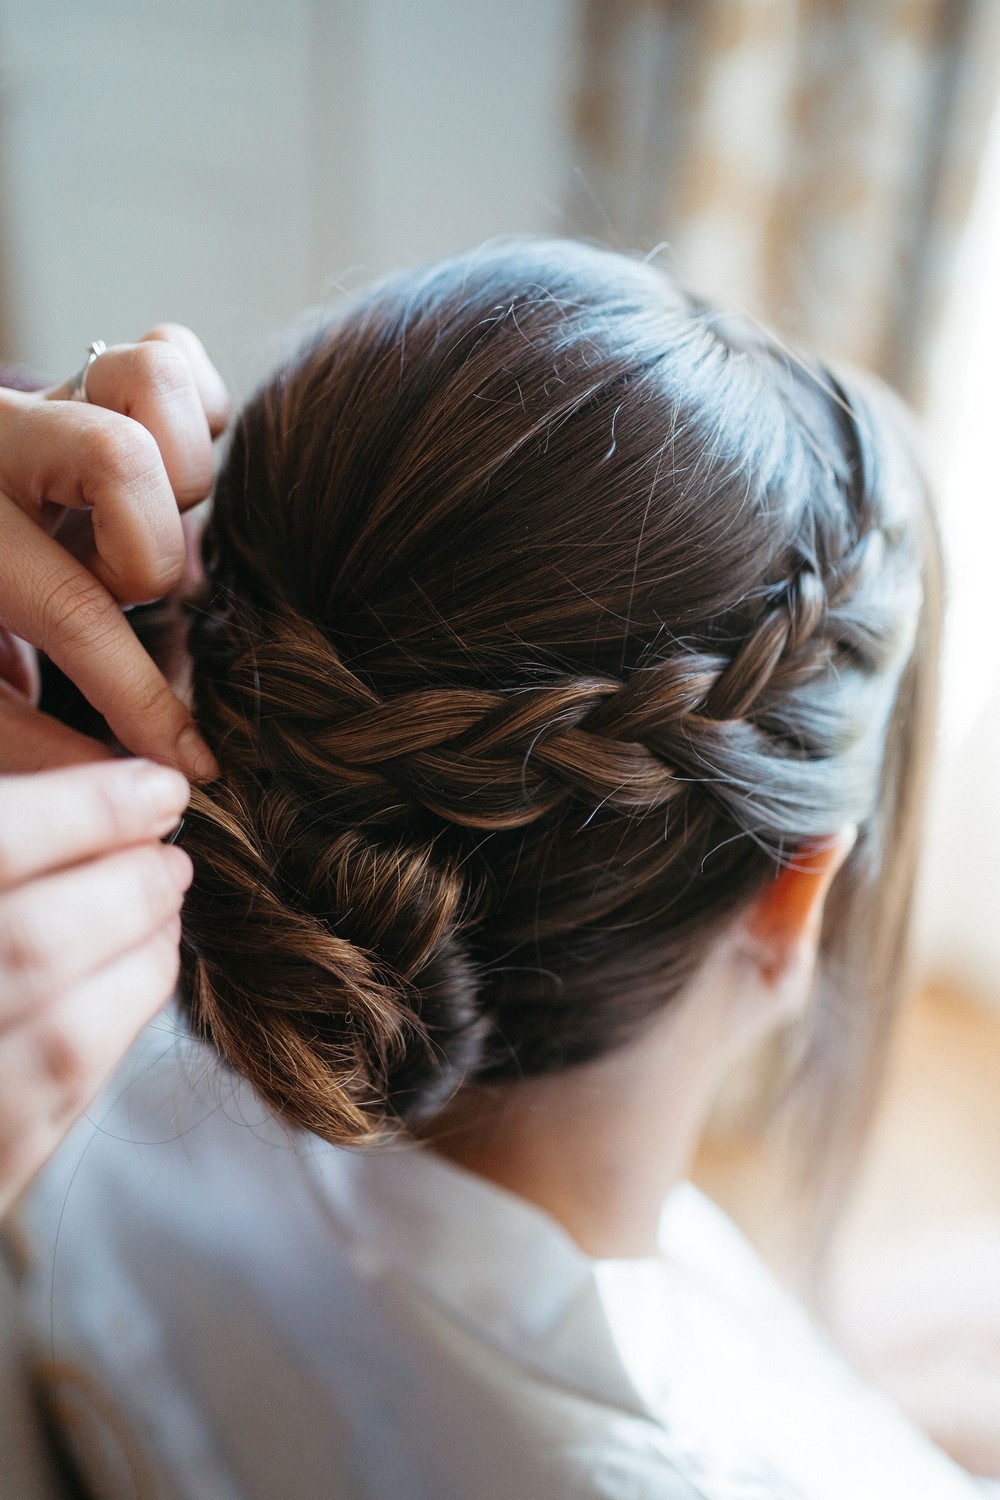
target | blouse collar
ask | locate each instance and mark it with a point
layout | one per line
(490, 1260)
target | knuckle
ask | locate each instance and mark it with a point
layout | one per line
(119, 449)
(161, 367)
(74, 608)
(112, 815)
(157, 705)
(169, 331)
(101, 443)
(61, 1057)
(12, 1166)
(155, 892)
(25, 951)
(160, 574)
(196, 483)
(8, 857)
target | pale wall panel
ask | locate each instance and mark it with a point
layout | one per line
(226, 162)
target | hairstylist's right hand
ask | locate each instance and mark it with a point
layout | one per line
(89, 928)
(117, 470)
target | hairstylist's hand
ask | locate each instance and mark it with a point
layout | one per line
(89, 928)
(125, 462)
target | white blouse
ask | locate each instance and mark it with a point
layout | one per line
(222, 1309)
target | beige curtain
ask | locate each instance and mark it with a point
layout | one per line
(810, 161)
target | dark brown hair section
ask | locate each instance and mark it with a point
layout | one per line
(548, 613)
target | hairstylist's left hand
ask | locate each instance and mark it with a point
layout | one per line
(90, 501)
(89, 932)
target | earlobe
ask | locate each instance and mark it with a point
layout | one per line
(785, 917)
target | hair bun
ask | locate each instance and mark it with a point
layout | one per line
(326, 969)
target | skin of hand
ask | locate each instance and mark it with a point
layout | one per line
(89, 929)
(91, 502)
(91, 496)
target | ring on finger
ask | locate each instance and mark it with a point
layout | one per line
(78, 385)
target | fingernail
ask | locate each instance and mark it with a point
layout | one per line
(195, 757)
(179, 865)
(164, 792)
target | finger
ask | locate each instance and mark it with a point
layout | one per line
(83, 1038)
(55, 819)
(59, 929)
(153, 383)
(50, 599)
(19, 667)
(56, 454)
(33, 741)
(53, 1067)
(211, 387)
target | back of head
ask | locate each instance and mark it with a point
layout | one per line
(548, 612)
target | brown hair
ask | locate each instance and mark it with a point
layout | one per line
(549, 612)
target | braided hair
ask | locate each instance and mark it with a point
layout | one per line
(548, 613)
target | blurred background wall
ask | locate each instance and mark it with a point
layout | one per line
(826, 164)
(228, 162)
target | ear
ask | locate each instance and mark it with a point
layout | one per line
(783, 923)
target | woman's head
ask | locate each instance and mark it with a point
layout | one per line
(549, 613)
